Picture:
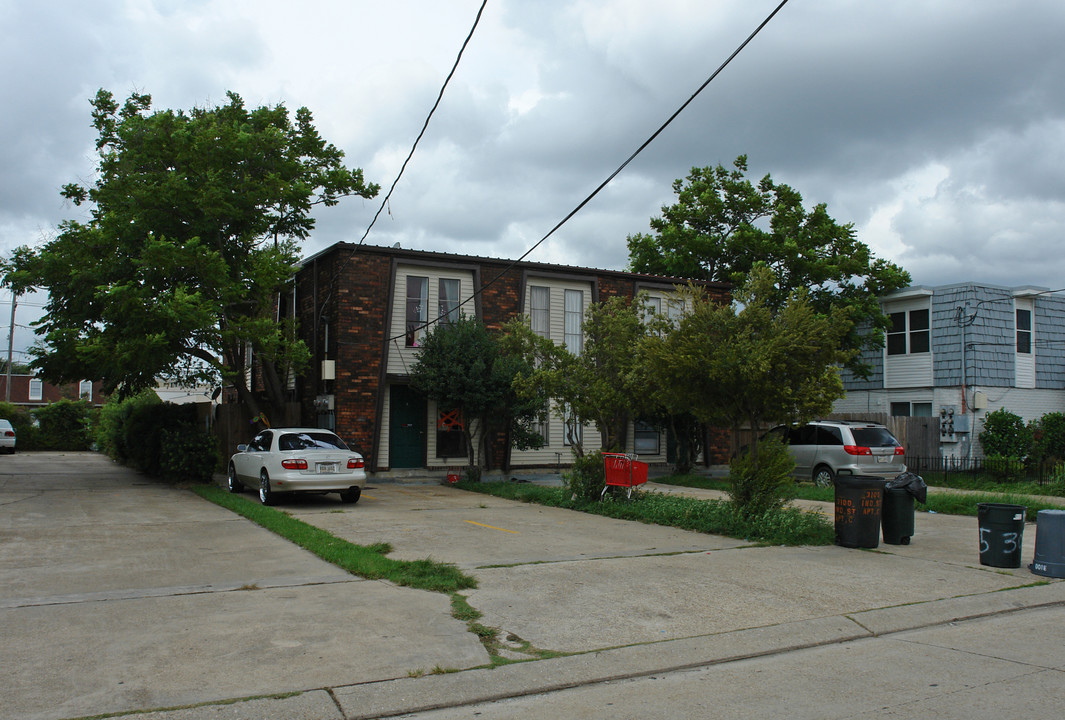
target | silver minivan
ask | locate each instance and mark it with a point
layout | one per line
(824, 449)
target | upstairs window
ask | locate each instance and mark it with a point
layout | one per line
(417, 309)
(909, 333)
(540, 310)
(449, 301)
(36, 389)
(574, 308)
(85, 390)
(1024, 332)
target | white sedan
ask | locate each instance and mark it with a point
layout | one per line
(297, 460)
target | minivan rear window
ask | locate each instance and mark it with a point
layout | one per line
(873, 437)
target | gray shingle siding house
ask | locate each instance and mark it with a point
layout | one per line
(961, 351)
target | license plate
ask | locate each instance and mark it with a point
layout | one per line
(884, 458)
(328, 467)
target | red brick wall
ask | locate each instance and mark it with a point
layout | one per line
(351, 286)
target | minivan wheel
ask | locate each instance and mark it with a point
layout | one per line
(823, 476)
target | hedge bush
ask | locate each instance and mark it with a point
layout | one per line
(62, 425)
(160, 439)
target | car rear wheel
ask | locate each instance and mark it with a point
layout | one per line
(234, 485)
(823, 476)
(351, 495)
(266, 495)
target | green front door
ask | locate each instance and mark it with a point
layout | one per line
(406, 428)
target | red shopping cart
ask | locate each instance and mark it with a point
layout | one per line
(623, 471)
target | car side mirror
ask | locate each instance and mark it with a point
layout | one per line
(242, 448)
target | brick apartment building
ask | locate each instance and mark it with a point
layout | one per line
(360, 308)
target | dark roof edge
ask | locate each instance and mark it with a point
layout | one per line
(521, 264)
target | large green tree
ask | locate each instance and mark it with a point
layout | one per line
(724, 224)
(464, 367)
(194, 229)
(599, 383)
(748, 363)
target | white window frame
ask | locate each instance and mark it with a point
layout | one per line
(85, 390)
(415, 329)
(540, 310)
(448, 302)
(36, 391)
(574, 321)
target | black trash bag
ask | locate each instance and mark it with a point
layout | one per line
(912, 483)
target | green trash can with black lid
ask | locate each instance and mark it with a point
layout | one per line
(859, 501)
(1001, 534)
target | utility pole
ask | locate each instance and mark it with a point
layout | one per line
(10, 347)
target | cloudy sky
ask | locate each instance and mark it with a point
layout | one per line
(936, 127)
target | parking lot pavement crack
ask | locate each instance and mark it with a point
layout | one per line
(613, 556)
(21, 497)
(174, 591)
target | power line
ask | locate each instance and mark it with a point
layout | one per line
(425, 125)
(621, 167)
(414, 146)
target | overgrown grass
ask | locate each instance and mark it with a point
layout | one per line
(368, 561)
(790, 526)
(939, 501)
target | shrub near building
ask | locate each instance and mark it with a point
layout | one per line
(157, 438)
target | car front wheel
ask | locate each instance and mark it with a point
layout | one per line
(266, 495)
(234, 485)
(351, 495)
(823, 476)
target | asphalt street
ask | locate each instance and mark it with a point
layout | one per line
(120, 594)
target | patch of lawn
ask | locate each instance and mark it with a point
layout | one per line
(947, 503)
(790, 526)
(366, 561)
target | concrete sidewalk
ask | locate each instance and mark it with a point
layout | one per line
(121, 594)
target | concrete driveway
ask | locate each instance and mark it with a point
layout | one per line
(120, 593)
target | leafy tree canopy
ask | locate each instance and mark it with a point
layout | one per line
(195, 220)
(463, 366)
(723, 225)
(598, 383)
(748, 363)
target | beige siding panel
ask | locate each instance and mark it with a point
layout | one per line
(400, 357)
(386, 413)
(904, 371)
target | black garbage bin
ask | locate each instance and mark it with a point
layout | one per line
(1001, 534)
(897, 516)
(900, 493)
(859, 501)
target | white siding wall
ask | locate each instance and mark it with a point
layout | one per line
(909, 370)
(1025, 369)
(555, 450)
(400, 357)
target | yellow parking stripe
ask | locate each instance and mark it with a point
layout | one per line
(492, 527)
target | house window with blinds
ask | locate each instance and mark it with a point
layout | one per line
(449, 301)
(540, 310)
(574, 314)
(417, 309)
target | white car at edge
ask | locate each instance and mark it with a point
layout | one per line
(282, 460)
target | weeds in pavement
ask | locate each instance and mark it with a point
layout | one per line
(366, 561)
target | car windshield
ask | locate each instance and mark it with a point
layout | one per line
(874, 437)
(310, 441)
